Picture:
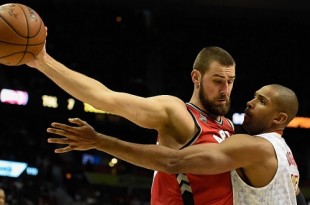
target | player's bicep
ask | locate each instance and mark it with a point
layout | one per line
(244, 150)
(213, 158)
(152, 112)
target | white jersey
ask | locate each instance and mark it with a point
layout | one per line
(281, 190)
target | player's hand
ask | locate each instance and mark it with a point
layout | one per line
(80, 136)
(36, 61)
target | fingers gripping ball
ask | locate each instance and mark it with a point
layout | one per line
(22, 34)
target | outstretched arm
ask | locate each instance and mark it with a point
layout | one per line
(154, 112)
(208, 158)
(80, 136)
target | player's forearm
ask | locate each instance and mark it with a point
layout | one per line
(161, 158)
(76, 84)
(154, 157)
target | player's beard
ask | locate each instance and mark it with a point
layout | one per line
(211, 107)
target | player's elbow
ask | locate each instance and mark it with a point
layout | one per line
(195, 164)
(171, 165)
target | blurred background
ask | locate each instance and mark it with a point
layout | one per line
(146, 48)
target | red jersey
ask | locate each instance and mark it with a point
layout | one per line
(187, 189)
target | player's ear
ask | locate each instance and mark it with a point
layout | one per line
(280, 118)
(196, 76)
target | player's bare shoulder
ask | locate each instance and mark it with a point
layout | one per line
(173, 105)
(168, 98)
(182, 125)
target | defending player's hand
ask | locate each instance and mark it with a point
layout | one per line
(80, 136)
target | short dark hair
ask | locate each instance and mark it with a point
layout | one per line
(210, 54)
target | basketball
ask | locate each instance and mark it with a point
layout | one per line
(22, 34)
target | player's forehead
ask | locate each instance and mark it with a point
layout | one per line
(218, 70)
(266, 92)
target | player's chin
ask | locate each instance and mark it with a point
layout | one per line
(224, 104)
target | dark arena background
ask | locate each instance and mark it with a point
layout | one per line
(145, 48)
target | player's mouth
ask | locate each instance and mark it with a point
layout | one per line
(247, 113)
(223, 100)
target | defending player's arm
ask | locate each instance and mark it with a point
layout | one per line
(84, 137)
(236, 151)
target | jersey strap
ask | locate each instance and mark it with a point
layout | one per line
(186, 189)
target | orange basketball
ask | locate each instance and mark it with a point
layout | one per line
(22, 34)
